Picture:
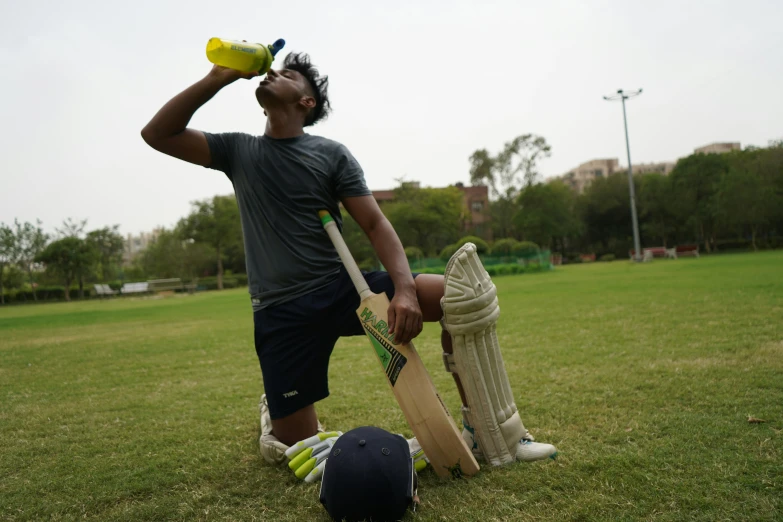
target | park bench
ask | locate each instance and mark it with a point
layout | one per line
(648, 254)
(135, 288)
(687, 250)
(587, 258)
(101, 290)
(165, 285)
(673, 253)
(173, 284)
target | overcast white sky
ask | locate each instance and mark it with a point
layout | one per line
(416, 87)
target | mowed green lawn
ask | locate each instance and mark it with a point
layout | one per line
(643, 376)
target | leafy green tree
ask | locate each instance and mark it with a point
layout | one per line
(484, 170)
(546, 213)
(8, 254)
(214, 222)
(30, 241)
(414, 254)
(171, 256)
(502, 211)
(13, 277)
(359, 244)
(655, 196)
(606, 214)
(67, 258)
(695, 180)
(743, 202)
(108, 245)
(426, 217)
(86, 264)
(71, 228)
(748, 200)
(197, 260)
(514, 167)
(518, 162)
(769, 164)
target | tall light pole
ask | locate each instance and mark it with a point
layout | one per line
(622, 96)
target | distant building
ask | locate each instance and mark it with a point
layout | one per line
(581, 177)
(135, 245)
(476, 201)
(717, 148)
(478, 220)
(388, 195)
(661, 167)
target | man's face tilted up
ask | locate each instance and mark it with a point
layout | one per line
(287, 89)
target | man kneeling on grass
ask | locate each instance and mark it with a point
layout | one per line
(302, 298)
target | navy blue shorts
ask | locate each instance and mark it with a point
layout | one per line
(294, 340)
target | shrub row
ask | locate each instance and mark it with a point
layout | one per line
(232, 281)
(57, 293)
(495, 270)
(44, 293)
(501, 248)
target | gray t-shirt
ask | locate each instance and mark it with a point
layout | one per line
(280, 186)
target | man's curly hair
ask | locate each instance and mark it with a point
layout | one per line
(300, 62)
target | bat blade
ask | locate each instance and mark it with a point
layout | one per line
(415, 392)
(419, 401)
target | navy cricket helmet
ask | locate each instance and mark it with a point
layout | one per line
(369, 475)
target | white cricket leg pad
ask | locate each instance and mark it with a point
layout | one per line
(470, 313)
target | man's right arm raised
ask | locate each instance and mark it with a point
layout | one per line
(168, 130)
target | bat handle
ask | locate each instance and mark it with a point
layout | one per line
(342, 249)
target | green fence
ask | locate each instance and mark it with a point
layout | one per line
(495, 265)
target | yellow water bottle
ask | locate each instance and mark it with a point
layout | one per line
(243, 56)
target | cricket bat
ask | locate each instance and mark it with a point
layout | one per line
(408, 379)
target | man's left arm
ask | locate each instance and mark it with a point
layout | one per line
(405, 317)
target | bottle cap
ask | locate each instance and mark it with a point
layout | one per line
(275, 47)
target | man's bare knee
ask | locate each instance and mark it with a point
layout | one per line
(297, 426)
(429, 290)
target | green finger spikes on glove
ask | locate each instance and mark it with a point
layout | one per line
(308, 456)
(420, 460)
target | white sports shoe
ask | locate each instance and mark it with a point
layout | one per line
(272, 449)
(527, 450)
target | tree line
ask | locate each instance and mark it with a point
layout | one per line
(70, 257)
(720, 201)
(205, 243)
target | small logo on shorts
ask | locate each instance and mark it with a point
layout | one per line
(290, 394)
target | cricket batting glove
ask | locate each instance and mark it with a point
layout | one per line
(308, 456)
(420, 460)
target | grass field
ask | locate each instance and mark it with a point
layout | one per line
(642, 375)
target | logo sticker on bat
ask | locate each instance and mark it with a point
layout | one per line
(378, 331)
